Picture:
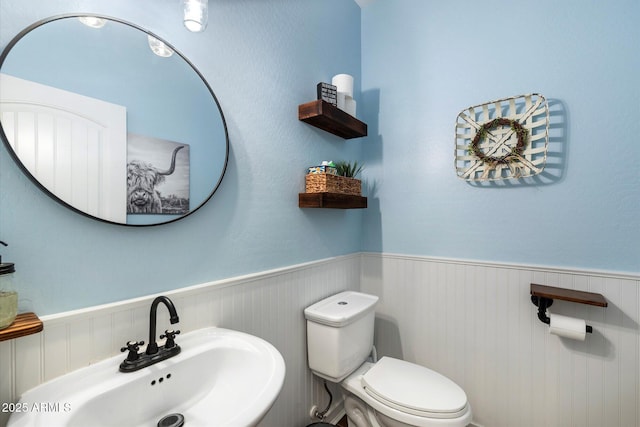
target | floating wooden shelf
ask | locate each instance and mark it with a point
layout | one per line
(331, 200)
(580, 297)
(331, 119)
(25, 324)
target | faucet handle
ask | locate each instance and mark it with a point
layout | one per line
(170, 335)
(132, 347)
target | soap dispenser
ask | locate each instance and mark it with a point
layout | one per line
(8, 295)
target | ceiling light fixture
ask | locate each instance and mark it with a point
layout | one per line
(159, 48)
(92, 21)
(196, 15)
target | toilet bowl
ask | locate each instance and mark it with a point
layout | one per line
(384, 393)
(395, 393)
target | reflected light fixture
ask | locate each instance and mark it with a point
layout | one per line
(92, 21)
(159, 48)
(196, 14)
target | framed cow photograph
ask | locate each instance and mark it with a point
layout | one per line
(157, 176)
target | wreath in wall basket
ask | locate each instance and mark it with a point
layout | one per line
(502, 139)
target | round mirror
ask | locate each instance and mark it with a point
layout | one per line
(111, 121)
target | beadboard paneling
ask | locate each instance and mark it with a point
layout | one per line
(475, 323)
(269, 305)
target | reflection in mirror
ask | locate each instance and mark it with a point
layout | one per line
(110, 122)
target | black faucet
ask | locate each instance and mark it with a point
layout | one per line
(154, 354)
(152, 348)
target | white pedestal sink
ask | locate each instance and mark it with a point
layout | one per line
(221, 378)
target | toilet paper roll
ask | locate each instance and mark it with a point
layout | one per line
(350, 105)
(343, 83)
(340, 100)
(568, 327)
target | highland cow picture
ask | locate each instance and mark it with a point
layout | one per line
(157, 176)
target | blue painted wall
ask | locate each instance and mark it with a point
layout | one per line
(262, 59)
(424, 62)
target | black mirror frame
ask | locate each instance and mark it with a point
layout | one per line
(14, 155)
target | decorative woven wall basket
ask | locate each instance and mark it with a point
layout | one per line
(328, 183)
(502, 139)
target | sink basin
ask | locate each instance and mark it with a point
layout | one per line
(221, 378)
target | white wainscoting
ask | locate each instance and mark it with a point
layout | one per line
(475, 323)
(269, 305)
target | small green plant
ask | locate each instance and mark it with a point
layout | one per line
(348, 169)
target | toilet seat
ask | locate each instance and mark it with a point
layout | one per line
(414, 389)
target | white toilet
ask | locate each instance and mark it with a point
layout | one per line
(388, 393)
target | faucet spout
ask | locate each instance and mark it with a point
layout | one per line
(152, 348)
(153, 354)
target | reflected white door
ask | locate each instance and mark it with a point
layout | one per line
(74, 145)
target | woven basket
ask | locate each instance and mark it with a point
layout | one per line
(328, 183)
(530, 111)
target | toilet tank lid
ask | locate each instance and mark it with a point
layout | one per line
(341, 309)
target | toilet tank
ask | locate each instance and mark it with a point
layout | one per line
(340, 334)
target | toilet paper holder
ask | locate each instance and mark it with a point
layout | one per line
(544, 303)
(542, 296)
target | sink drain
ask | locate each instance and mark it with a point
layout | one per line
(172, 420)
